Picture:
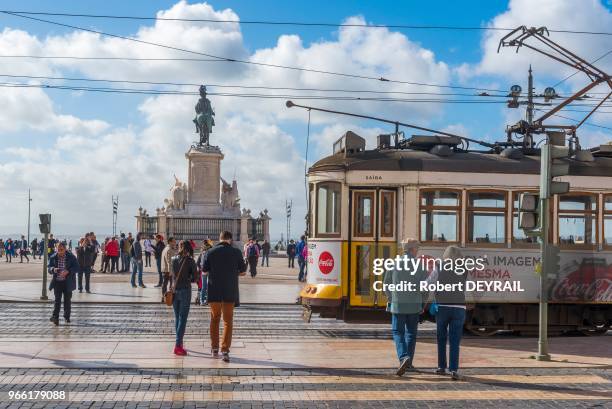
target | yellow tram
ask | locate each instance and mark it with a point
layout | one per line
(363, 202)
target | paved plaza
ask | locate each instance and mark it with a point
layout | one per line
(117, 353)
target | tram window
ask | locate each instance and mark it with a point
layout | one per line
(387, 213)
(439, 216)
(577, 219)
(607, 220)
(328, 208)
(364, 209)
(518, 234)
(486, 217)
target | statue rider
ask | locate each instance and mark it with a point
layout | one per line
(204, 120)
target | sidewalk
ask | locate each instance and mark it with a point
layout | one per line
(494, 352)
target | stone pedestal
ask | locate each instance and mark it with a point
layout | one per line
(204, 175)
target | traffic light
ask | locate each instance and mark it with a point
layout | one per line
(45, 223)
(528, 211)
(553, 163)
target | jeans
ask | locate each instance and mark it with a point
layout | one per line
(252, 260)
(291, 260)
(114, 264)
(302, 264)
(87, 272)
(125, 261)
(59, 290)
(147, 259)
(136, 267)
(218, 309)
(158, 261)
(404, 328)
(182, 298)
(449, 323)
(265, 258)
(22, 254)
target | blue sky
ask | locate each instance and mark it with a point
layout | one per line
(136, 127)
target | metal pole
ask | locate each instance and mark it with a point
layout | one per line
(543, 315)
(545, 164)
(45, 260)
(29, 203)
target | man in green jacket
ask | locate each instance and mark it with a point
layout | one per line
(405, 306)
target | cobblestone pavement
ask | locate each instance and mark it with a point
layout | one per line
(261, 321)
(311, 388)
(312, 385)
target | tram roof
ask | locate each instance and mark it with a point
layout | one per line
(467, 162)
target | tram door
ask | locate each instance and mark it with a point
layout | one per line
(373, 220)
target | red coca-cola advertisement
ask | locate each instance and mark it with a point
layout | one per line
(591, 280)
(326, 262)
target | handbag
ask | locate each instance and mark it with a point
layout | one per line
(169, 295)
(433, 309)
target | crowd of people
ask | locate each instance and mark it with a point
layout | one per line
(10, 249)
(215, 272)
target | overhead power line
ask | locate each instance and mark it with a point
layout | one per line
(293, 23)
(255, 95)
(187, 84)
(233, 60)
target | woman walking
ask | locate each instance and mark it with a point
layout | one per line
(451, 313)
(184, 272)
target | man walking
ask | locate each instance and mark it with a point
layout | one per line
(291, 253)
(405, 307)
(251, 254)
(265, 253)
(137, 262)
(22, 245)
(34, 247)
(223, 263)
(169, 252)
(301, 250)
(64, 267)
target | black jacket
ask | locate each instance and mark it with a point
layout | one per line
(187, 276)
(85, 255)
(159, 248)
(223, 263)
(71, 265)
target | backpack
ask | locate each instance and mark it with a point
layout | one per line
(304, 252)
(252, 251)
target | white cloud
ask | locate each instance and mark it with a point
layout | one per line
(92, 159)
(32, 109)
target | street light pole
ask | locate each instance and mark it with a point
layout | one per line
(29, 207)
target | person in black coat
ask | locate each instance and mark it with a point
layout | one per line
(64, 268)
(223, 263)
(291, 253)
(184, 272)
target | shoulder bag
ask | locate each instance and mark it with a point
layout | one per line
(169, 295)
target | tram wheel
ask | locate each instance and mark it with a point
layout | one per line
(482, 331)
(596, 331)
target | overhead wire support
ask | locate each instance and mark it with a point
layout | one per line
(518, 37)
(397, 124)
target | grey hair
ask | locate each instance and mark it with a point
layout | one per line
(452, 252)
